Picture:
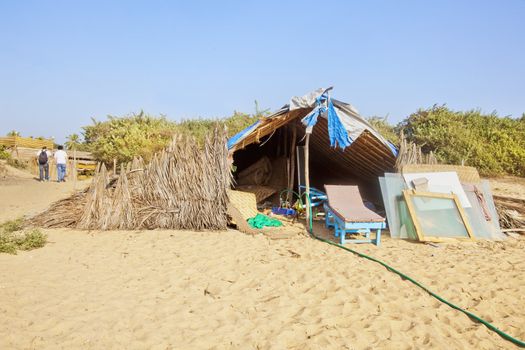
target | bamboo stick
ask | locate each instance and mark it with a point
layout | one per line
(307, 176)
(292, 163)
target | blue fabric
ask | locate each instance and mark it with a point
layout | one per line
(392, 148)
(311, 118)
(336, 131)
(238, 136)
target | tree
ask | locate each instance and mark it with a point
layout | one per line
(73, 141)
(13, 133)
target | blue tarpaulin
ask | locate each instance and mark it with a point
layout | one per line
(311, 118)
(336, 130)
(240, 135)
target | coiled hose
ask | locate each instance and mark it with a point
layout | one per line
(402, 275)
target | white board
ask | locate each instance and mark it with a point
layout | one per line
(444, 182)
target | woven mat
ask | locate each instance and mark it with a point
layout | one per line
(244, 202)
(466, 174)
(260, 192)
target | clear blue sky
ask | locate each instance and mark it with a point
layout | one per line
(63, 62)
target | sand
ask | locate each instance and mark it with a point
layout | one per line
(509, 186)
(22, 194)
(228, 290)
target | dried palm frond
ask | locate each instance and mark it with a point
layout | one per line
(183, 187)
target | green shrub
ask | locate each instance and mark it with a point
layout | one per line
(387, 130)
(13, 237)
(490, 143)
(31, 239)
(143, 135)
(127, 137)
(12, 225)
(17, 163)
(7, 244)
(4, 153)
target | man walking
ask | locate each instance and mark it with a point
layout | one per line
(61, 160)
(43, 164)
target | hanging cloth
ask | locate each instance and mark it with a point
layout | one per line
(337, 133)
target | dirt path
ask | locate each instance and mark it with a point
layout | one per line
(22, 194)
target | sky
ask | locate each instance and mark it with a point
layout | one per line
(65, 62)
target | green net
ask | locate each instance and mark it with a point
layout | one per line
(260, 221)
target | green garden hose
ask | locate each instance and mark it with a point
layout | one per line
(402, 275)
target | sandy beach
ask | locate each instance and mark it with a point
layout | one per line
(22, 194)
(228, 290)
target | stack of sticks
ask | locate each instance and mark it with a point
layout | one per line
(511, 212)
(410, 153)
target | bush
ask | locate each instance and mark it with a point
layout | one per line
(143, 135)
(13, 238)
(12, 225)
(127, 137)
(4, 153)
(490, 143)
(17, 163)
(386, 129)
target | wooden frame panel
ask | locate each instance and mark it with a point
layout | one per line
(410, 194)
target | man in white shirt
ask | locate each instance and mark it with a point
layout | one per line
(61, 160)
(42, 157)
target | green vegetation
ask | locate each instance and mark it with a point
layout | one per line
(4, 153)
(387, 130)
(13, 237)
(124, 138)
(12, 225)
(143, 135)
(73, 142)
(490, 143)
(17, 163)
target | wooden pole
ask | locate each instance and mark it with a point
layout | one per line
(278, 148)
(74, 167)
(114, 166)
(307, 177)
(285, 146)
(292, 163)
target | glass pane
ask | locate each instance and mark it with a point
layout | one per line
(400, 223)
(439, 217)
(482, 228)
(485, 188)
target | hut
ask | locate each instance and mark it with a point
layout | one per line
(311, 141)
